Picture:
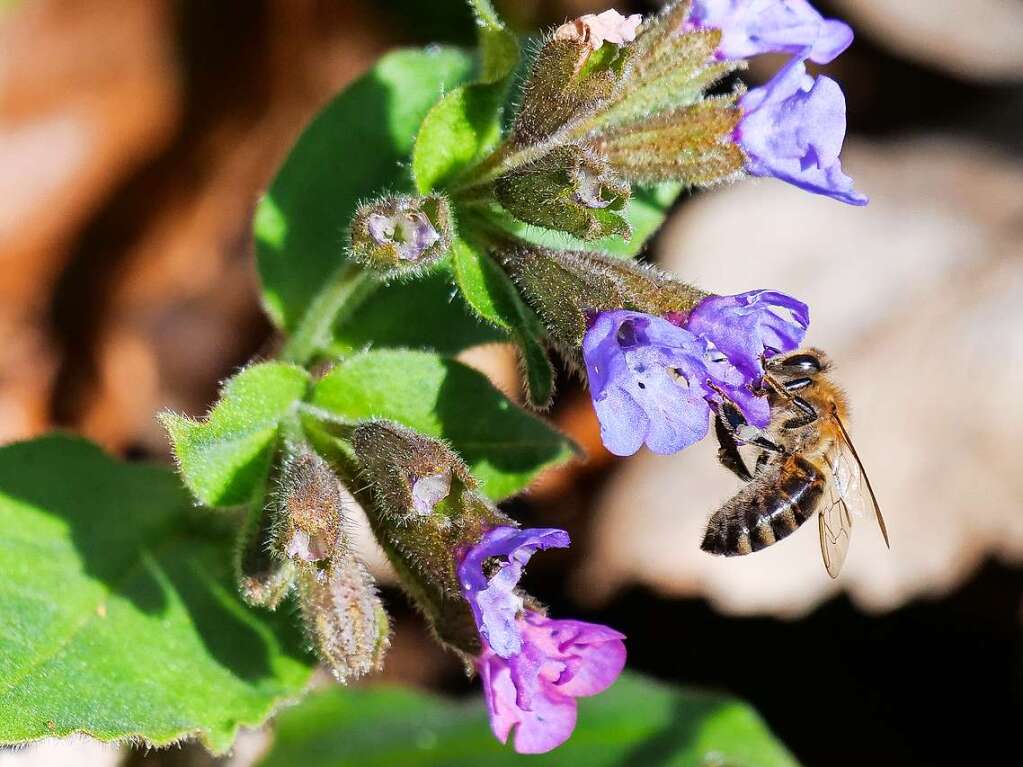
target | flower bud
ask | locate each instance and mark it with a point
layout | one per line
(308, 527)
(693, 145)
(574, 74)
(403, 234)
(569, 189)
(567, 288)
(263, 579)
(424, 507)
(344, 616)
(337, 597)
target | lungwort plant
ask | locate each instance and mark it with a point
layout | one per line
(444, 200)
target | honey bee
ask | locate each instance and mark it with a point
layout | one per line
(804, 462)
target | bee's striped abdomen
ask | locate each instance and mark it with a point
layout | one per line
(768, 509)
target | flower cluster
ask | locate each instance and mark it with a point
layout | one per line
(611, 105)
(532, 667)
(654, 379)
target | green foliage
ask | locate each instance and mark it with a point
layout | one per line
(355, 149)
(225, 458)
(466, 123)
(426, 313)
(504, 446)
(493, 296)
(119, 615)
(637, 723)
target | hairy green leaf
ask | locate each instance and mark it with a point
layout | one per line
(356, 148)
(224, 459)
(494, 297)
(504, 446)
(466, 123)
(637, 723)
(118, 613)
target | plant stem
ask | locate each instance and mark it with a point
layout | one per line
(349, 286)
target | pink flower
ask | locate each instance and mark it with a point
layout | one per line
(596, 29)
(532, 667)
(534, 692)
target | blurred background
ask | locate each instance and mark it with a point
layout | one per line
(136, 136)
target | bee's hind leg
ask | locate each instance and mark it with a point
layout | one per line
(728, 450)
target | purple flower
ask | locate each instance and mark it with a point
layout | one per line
(652, 381)
(532, 667)
(752, 27)
(534, 691)
(410, 231)
(494, 601)
(792, 128)
(750, 326)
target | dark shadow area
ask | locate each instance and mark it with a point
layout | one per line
(934, 683)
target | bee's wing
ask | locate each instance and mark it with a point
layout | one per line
(835, 525)
(853, 482)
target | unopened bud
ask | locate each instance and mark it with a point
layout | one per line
(308, 527)
(263, 578)
(424, 507)
(571, 78)
(401, 234)
(568, 189)
(344, 616)
(338, 599)
(567, 288)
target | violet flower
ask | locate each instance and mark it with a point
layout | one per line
(494, 601)
(532, 667)
(751, 326)
(751, 27)
(792, 129)
(653, 382)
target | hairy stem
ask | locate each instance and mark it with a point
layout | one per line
(348, 288)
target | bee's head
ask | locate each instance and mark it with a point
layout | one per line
(802, 363)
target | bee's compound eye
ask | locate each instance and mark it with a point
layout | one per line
(804, 363)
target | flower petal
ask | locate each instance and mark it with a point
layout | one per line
(648, 382)
(751, 325)
(752, 27)
(494, 601)
(593, 655)
(793, 128)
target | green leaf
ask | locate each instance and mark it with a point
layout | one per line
(466, 123)
(645, 212)
(463, 127)
(356, 148)
(504, 446)
(119, 613)
(224, 459)
(494, 297)
(426, 313)
(499, 50)
(637, 723)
